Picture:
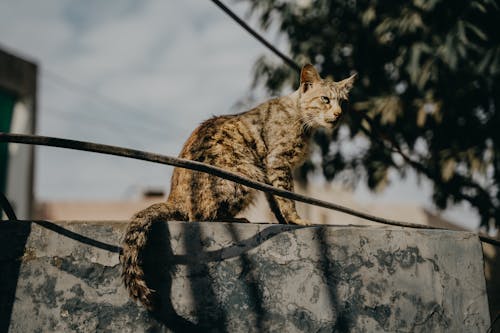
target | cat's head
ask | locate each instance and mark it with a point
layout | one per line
(320, 99)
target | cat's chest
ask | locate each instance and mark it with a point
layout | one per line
(299, 150)
(289, 150)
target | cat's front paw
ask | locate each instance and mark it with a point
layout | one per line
(299, 221)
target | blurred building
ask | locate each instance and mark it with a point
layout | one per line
(120, 210)
(258, 212)
(18, 96)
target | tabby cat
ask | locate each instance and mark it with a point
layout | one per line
(263, 144)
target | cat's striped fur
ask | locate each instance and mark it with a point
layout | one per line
(263, 144)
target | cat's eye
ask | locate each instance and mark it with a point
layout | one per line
(325, 99)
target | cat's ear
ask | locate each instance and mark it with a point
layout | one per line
(346, 84)
(308, 76)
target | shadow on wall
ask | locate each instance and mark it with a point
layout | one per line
(223, 290)
(267, 282)
(13, 237)
(492, 273)
(234, 277)
(201, 297)
(159, 270)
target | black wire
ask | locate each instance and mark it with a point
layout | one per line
(113, 106)
(252, 32)
(490, 330)
(7, 208)
(206, 168)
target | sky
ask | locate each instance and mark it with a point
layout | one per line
(143, 75)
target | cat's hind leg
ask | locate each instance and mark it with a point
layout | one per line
(216, 199)
(273, 205)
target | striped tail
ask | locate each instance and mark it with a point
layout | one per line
(134, 242)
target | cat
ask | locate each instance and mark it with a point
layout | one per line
(264, 144)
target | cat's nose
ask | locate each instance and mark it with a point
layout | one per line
(337, 111)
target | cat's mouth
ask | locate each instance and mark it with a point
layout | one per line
(330, 122)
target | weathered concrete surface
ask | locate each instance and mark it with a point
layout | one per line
(220, 277)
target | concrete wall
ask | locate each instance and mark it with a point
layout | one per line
(219, 277)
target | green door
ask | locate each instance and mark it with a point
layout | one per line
(6, 109)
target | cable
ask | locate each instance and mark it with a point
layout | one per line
(112, 103)
(118, 127)
(156, 128)
(94, 95)
(212, 170)
(7, 208)
(261, 39)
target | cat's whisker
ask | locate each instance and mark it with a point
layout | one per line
(308, 123)
(300, 123)
(300, 119)
(304, 124)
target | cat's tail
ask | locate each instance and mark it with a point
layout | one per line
(134, 242)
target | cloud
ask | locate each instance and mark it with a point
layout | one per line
(34, 28)
(168, 64)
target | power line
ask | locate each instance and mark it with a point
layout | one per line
(113, 105)
(261, 39)
(90, 122)
(82, 89)
(117, 126)
(209, 169)
(7, 208)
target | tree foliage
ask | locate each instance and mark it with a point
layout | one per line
(429, 80)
